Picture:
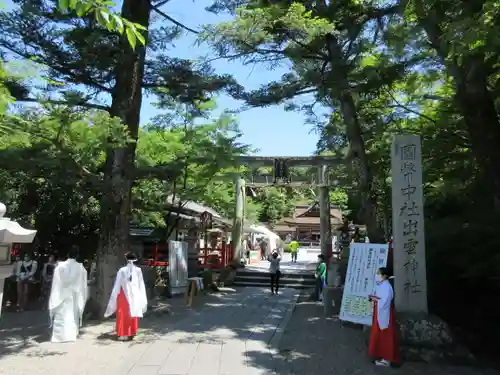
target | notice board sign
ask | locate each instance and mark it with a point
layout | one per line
(177, 266)
(364, 260)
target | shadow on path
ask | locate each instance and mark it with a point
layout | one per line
(215, 337)
(314, 345)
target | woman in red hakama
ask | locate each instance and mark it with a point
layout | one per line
(126, 325)
(128, 299)
(384, 340)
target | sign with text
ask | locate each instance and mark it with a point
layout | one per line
(177, 266)
(364, 261)
(408, 224)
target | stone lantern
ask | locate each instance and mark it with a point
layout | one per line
(10, 232)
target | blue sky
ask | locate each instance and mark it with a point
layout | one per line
(272, 130)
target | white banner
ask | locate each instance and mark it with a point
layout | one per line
(364, 261)
(177, 266)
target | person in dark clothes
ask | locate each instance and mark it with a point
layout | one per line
(47, 273)
(274, 270)
(25, 276)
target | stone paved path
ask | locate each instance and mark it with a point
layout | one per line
(223, 340)
(243, 332)
(307, 259)
(313, 345)
(234, 334)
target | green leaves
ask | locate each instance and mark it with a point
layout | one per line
(106, 18)
(131, 37)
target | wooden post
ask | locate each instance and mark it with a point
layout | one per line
(408, 225)
(239, 213)
(324, 209)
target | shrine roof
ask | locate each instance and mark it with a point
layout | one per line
(302, 211)
(310, 221)
(191, 206)
(283, 228)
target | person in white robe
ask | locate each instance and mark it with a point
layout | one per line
(128, 299)
(384, 341)
(68, 297)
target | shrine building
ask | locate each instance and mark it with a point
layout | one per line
(305, 223)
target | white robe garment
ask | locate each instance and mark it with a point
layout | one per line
(67, 300)
(385, 295)
(135, 291)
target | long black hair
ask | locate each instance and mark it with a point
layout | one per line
(73, 252)
(131, 257)
(384, 271)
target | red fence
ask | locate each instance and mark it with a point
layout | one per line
(207, 258)
(215, 259)
(157, 256)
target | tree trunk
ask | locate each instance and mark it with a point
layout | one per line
(357, 154)
(481, 118)
(119, 165)
(470, 74)
(361, 167)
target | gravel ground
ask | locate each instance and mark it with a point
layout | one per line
(313, 345)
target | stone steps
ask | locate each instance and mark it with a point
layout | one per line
(288, 279)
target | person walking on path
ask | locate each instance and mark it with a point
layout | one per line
(128, 299)
(320, 275)
(294, 249)
(274, 270)
(68, 296)
(384, 341)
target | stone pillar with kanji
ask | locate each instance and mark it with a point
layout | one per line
(423, 336)
(408, 225)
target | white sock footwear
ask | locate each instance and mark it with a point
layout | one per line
(382, 363)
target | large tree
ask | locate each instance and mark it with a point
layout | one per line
(327, 44)
(463, 37)
(91, 67)
(57, 183)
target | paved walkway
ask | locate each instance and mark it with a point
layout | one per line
(246, 331)
(313, 345)
(234, 334)
(224, 339)
(307, 259)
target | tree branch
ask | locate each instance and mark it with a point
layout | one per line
(408, 109)
(63, 102)
(161, 3)
(175, 22)
(76, 77)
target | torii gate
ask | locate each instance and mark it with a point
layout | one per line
(281, 166)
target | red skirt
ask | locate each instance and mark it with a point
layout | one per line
(126, 325)
(384, 344)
